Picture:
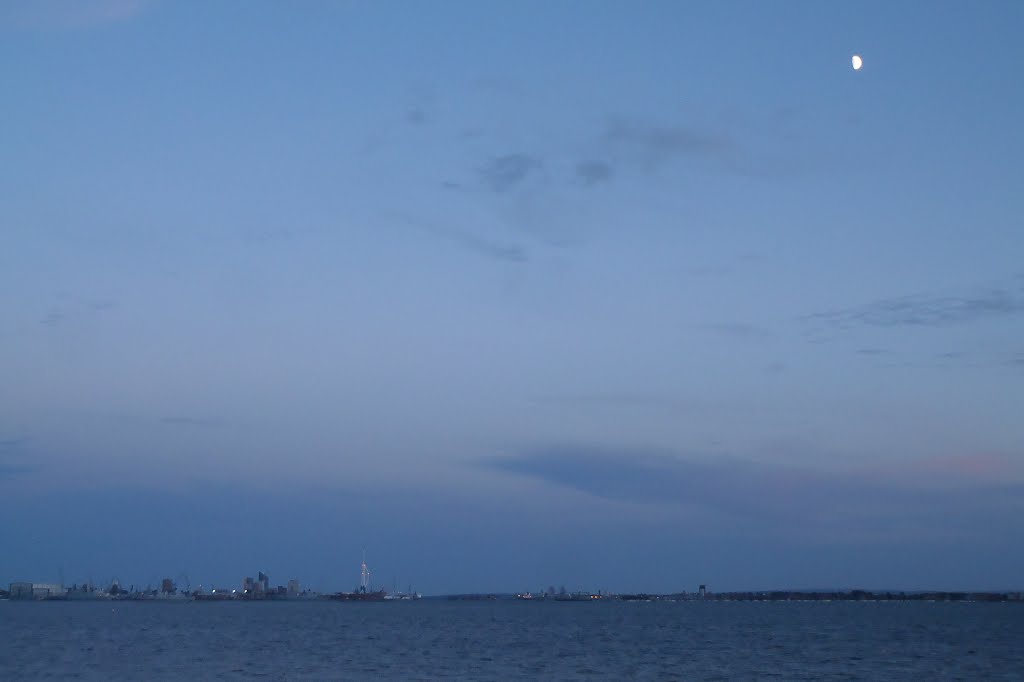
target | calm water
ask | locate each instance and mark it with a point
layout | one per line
(504, 640)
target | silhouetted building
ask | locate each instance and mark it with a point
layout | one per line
(24, 590)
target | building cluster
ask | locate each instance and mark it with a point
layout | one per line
(89, 592)
(259, 588)
(24, 590)
(585, 595)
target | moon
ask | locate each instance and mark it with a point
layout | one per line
(857, 62)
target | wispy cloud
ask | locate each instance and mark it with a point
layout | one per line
(204, 422)
(484, 246)
(624, 146)
(69, 14)
(52, 318)
(68, 307)
(649, 477)
(593, 172)
(654, 145)
(609, 399)
(925, 310)
(101, 305)
(505, 172)
(739, 330)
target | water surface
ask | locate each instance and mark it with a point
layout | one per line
(433, 639)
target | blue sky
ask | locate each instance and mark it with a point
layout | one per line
(604, 294)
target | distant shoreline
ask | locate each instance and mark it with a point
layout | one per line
(741, 596)
(770, 595)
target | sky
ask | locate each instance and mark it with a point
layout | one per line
(610, 295)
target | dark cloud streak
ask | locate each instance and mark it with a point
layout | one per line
(502, 252)
(593, 172)
(52, 319)
(656, 145)
(205, 422)
(739, 330)
(924, 311)
(498, 251)
(776, 496)
(505, 172)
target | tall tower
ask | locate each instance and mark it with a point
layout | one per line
(364, 581)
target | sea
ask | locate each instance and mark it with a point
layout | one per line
(508, 640)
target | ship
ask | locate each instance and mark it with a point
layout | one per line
(409, 595)
(359, 595)
(213, 595)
